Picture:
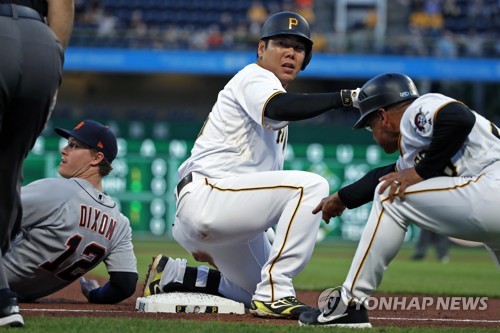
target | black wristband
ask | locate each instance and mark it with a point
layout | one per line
(345, 95)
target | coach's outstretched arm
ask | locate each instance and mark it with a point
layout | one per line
(353, 195)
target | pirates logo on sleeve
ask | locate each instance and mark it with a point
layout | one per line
(421, 122)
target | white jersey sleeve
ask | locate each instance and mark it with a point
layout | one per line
(68, 228)
(480, 149)
(236, 138)
(253, 89)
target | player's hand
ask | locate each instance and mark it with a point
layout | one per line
(398, 182)
(330, 207)
(87, 286)
(354, 97)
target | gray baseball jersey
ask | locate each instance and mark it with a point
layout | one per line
(68, 228)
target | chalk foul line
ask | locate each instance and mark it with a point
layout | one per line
(439, 319)
(491, 321)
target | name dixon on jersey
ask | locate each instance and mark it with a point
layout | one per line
(95, 220)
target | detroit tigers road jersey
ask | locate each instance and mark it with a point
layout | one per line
(239, 190)
(463, 204)
(68, 228)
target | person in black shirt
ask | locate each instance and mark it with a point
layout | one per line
(33, 37)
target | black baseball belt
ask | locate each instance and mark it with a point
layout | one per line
(184, 181)
(17, 11)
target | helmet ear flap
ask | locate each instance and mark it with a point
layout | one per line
(307, 58)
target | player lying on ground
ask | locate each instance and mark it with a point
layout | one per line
(70, 225)
(233, 187)
(446, 179)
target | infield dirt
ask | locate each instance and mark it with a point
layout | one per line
(71, 302)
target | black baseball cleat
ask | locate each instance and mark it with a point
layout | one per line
(336, 313)
(9, 312)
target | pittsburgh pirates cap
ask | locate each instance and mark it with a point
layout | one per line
(95, 135)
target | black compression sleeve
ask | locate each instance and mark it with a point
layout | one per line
(362, 191)
(452, 125)
(295, 106)
(121, 285)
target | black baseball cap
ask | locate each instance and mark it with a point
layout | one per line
(95, 135)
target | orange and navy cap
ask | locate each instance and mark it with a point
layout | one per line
(95, 135)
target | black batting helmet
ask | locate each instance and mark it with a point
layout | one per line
(382, 91)
(289, 23)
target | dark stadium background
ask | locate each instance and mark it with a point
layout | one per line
(152, 70)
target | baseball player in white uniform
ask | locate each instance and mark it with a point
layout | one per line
(446, 179)
(233, 188)
(70, 225)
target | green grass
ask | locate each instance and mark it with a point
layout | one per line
(128, 325)
(470, 272)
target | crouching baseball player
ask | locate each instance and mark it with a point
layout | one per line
(446, 179)
(233, 187)
(70, 225)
